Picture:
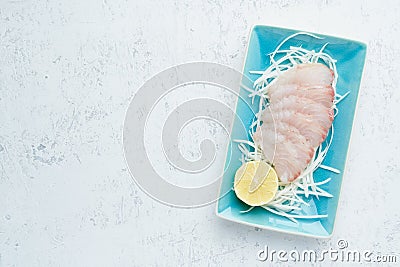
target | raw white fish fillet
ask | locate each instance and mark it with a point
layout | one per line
(298, 118)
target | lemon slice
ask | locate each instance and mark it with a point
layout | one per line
(256, 183)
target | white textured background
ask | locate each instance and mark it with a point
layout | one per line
(67, 72)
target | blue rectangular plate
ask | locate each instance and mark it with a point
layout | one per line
(350, 56)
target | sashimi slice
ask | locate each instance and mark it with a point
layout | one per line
(298, 119)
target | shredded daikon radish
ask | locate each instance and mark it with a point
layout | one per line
(289, 197)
